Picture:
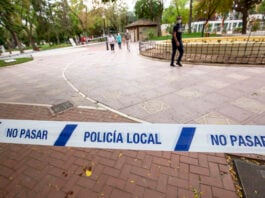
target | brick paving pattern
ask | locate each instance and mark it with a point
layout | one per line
(143, 88)
(40, 171)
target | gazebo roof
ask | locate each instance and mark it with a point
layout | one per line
(141, 23)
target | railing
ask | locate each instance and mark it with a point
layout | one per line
(226, 53)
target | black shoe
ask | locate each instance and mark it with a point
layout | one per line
(172, 65)
(179, 64)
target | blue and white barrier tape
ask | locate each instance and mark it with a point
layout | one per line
(155, 137)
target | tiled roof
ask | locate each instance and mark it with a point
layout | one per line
(142, 22)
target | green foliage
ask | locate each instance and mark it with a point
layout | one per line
(169, 15)
(237, 30)
(149, 9)
(261, 7)
(151, 34)
(48, 47)
(256, 26)
(32, 21)
(243, 6)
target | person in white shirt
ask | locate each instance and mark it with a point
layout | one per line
(111, 41)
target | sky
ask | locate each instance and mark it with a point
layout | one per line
(131, 3)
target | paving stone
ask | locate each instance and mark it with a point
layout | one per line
(250, 105)
(214, 118)
(144, 88)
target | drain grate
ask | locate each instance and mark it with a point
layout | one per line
(252, 178)
(61, 107)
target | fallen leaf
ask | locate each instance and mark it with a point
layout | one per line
(88, 171)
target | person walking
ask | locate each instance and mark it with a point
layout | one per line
(118, 38)
(177, 42)
(127, 36)
(111, 41)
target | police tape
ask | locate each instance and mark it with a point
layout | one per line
(154, 137)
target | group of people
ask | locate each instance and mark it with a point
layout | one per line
(111, 40)
(176, 42)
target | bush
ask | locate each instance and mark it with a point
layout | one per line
(256, 26)
(237, 30)
(151, 34)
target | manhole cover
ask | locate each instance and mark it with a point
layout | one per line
(59, 108)
(252, 178)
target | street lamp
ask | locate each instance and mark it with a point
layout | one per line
(104, 35)
(104, 18)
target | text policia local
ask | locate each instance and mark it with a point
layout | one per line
(95, 137)
(118, 137)
(238, 140)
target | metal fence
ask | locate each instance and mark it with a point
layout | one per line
(226, 53)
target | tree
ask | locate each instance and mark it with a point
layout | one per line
(190, 16)
(261, 8)
(11, 21)
(223, 10)
(206, 10)
(115, 15)
(169, 15)
(28, 12)
(243, 6)
(150, 9)
(177, 7)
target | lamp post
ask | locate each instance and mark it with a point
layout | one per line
(104, 35)
(104, 18)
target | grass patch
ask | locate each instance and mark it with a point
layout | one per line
(48, 47)
(17, 61)
(184, 35)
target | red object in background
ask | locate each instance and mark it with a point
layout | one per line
(83, 39)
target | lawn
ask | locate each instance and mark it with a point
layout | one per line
(48, 47)
(184, 35)
(15, 62)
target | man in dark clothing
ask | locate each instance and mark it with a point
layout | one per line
(177, 42)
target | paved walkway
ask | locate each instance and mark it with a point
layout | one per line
(143, 88)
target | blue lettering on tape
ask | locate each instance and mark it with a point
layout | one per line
(218, 140)
(185, 139)
(247, 141)
(65, 135)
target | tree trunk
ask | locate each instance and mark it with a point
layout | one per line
(244, 19)
(190, 16)
(17, 42)
(15, 37)
(32, 43)
(203, 27)
(58, 39)
(159, 32)
(31, 39)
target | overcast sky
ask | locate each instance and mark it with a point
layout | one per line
(130, 3)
